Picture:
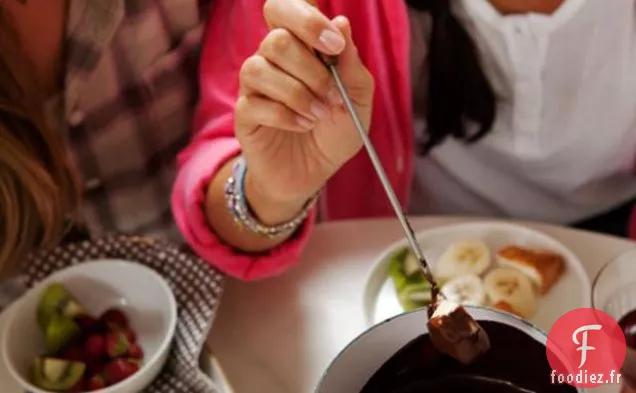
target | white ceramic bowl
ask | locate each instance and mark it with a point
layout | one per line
(141, 293)
(356, 364)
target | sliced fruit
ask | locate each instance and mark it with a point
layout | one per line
(56, 374)
(114, 317)
(545, 268)
(74, 353)
(57, 300)
(96, 382)
(395, 271)
(119, 369)
(509, 285)
(96, 367)
(79, 387)
(130, 335)
(415, 296)
(54, 369)
(95, 346)
(71, 308)
(462, 258)
(89, 324)
(411, 266)
(504, 306)
(135, 351)
(59, 332)
(465, 290)
(116, 344)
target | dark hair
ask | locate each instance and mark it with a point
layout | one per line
(458, 90)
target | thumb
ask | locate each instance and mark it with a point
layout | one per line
(350, 66)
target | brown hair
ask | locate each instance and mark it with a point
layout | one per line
(37, 187)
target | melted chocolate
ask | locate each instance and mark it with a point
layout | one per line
(515, 363)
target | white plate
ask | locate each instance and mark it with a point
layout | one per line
(572, 291)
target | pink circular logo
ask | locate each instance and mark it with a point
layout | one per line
(586, 348)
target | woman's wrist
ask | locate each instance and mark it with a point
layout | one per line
(270, 211)
(223, 221)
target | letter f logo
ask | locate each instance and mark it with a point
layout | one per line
(583, 344)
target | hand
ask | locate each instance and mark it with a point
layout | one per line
(294, 131)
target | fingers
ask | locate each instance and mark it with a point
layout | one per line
(259, 77)
(291, 55)
(351, 68)
(305, 22)
(253, 111)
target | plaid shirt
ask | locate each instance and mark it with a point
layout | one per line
(128, 100)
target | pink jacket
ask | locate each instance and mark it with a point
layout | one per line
(235, 28)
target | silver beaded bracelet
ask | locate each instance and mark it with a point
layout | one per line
(242, 214)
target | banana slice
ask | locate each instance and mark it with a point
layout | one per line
(463, 258)
(510, 286)
(466, 290)
(411, 265)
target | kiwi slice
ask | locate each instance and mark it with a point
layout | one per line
(415, 295)
(396, 274)
(56, 300)
(411, 265)
(56, 374)
(59, 332)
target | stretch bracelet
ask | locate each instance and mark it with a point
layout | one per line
(242, 214)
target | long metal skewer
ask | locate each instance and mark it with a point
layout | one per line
(386, 184)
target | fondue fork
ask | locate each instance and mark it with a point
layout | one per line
(331, 63)
(452, 330)
(379, 169)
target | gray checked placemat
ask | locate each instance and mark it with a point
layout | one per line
(197, 288)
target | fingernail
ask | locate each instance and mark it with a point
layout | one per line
(334, 97)
(318, 109)
(304, 122)
(332, 41)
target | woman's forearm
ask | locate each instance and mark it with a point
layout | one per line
(268, 213)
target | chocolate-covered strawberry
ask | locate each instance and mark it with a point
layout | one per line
(119, 369)
(117, 344)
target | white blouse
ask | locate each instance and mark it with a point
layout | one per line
(564, 141)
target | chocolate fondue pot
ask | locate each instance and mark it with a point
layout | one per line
(396, 356)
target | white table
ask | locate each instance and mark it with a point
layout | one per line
(279, 335)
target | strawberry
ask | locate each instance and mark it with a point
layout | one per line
(130, 334)
(96, 382)
(116, 344)
(114, 317)
(95, 367)
(135, 361)
(79, 387)
(119, 369)
(74, 353)
(95, 346)
(86, 323)
(135, 351)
